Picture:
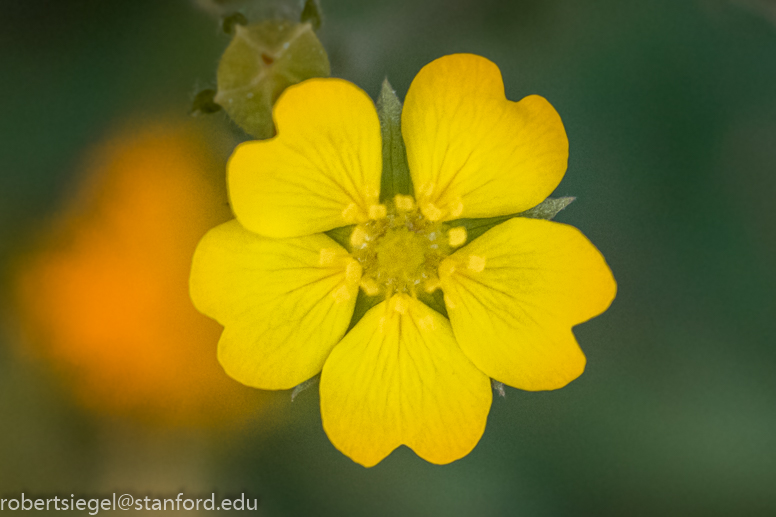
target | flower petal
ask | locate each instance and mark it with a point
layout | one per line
(284, 303)
(399, 378)
(320, 172)
(472, 152)
(513, 295)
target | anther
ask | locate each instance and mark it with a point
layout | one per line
(457, 236)
(404, 203)
(426, 190)
(370, 287)
(426, 323)
(456, 208)
(446, 268)
(358, 237)
(431, 212)
(476, 263)
(351, 213)
(377, 211)
(341, 294)
(431, 285)
(398, 304)
(327, 256)
(353, 272)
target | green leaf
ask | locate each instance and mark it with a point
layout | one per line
(312, 14)
(547, 209)
(396, 173)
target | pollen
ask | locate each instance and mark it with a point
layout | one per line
(456, 208)
(456, 237)
(370, 287)
(398, 304)
(432, 212)
(447, 268)
(358, 237)
(352, 213)
(353, 272)
(341, 294)
(404, 203)
(400, 252)
(426, 323)
(327, 256)
(377, 211)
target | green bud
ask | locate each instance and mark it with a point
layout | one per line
(312, 14)
(262, 60)
(230, 22)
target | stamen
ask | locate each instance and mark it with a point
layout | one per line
(377, 211)
(372, 195)
(352, 214)
(431, 285)
(446, 268)
(398, 304)
(476, 263)
(456, 237)
(426, 323)
(358, 237)
(426, 190)
(341, 294)
(327, 256)
(404, 203)
(431, 212)
(353, 272)
(370, 287)
(456, 208)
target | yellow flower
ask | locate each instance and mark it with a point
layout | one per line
(404, 374)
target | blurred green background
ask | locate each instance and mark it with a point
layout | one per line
(670, 109)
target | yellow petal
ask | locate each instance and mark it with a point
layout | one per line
(473, 153)
(399, 378)
(284, 303)
(513, 295)
(320, 172)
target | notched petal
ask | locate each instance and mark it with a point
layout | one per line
(321, 171)
(513, 295)
(400, 378)
(473, 153)
(283, 303)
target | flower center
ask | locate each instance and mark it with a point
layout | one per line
(400, 250)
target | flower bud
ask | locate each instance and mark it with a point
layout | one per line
(262, 60)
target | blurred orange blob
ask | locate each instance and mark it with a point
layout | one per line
(105, 294)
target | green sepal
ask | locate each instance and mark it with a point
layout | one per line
(262, 60)
(341, 235)
(309, 383)
(435, 300)
(311, 13)
(547, 209)
(364, 302)
(396, 173)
